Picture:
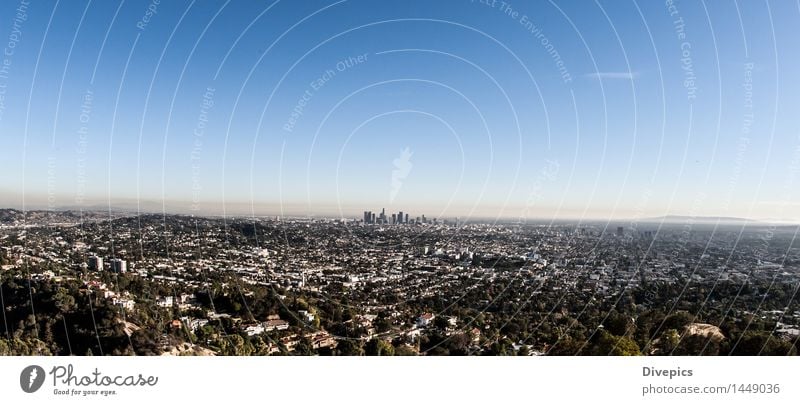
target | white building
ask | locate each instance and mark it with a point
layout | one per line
(119, 266)
(95, 263)
(275, 324)
(198, 323)
(165, 302)
(306, 316)
(253, 330)
(125, 303)
(425, 319)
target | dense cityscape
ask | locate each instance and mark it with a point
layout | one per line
(100, 283)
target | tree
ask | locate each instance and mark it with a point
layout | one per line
(441, 322)
(260, 346)
(64, 301)
(511, 329)
(405, 350)
(23, 347)
(753, 343)
(458, 344)
(235, 345)
(501, 347)
(618, 324)
(145, 343)
(433, 344)
(697, 345)
(609, 345)
(378, 347)
(667, 342)
(566, 347)
(382, 324)
(304, 347)
(678, 320)
(348, 347)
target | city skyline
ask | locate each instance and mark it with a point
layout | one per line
(471, 109)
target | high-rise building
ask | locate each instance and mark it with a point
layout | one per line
(620, 231)
(385, 219)
(95, 263)
(119, 266)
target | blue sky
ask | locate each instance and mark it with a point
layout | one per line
(519, 109)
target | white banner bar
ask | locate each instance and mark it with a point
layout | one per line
(370, 380)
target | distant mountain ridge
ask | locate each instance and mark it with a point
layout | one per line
(12, 216)
(699, 219)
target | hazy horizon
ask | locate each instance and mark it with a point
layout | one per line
(355, 211)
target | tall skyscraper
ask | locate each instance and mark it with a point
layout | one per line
(620, 231)
(95, 263)
(394, 219)
(119, 266)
